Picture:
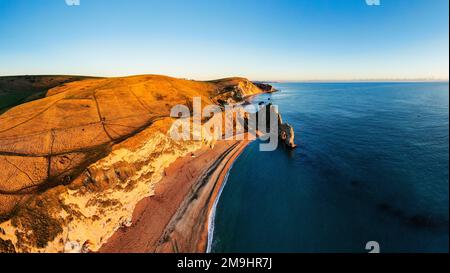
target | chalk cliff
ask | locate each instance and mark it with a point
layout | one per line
(75, 162)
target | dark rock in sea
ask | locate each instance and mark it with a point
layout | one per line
(416, 221)
(285, 130)
(398, 213)
(421, 221)
(388, 208)
(286, 133)
(384, 207)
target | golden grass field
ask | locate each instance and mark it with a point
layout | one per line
(48, 142)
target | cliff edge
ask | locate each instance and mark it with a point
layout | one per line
(76, 162)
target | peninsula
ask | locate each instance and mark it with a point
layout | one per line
(89, 165)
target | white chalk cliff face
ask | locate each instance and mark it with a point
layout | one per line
(88, 216)
(77, 162)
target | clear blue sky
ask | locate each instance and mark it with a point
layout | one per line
(261, 40)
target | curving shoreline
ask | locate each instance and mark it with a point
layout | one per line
(85, 188)
(212, 212)
(221, 181)
(175, 219)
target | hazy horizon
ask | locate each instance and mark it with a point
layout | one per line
(255, 80)
(287, 40)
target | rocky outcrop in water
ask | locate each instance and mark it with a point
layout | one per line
(285, 130)
(286, 133)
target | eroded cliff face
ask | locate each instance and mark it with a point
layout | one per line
(233, 90)
(265, 87)
(82, 216)
(77, 162)
(285, 130)
(286, 133)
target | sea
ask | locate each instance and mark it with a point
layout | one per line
(370, 173)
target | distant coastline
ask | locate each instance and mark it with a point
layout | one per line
(93, 185)
(362, 81)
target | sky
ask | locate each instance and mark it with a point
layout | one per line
(282, 40)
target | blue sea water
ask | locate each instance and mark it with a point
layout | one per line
(371, 165)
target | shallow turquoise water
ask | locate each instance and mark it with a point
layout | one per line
(372, 165)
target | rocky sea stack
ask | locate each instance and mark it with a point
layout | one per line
(78, 158)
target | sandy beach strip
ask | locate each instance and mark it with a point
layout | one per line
(175, 218)
(220, 179)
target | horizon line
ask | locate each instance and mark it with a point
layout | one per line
(360, 80)
(424, 79)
